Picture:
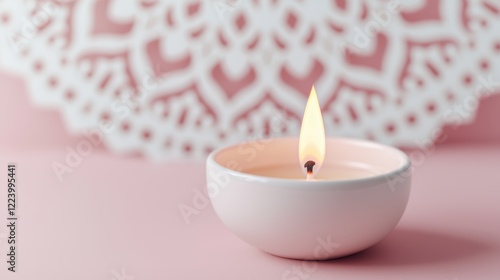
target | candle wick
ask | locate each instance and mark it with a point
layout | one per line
(309, 167)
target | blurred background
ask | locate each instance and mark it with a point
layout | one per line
(176, 79)
(110, 107)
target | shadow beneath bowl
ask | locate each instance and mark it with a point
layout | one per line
(415, 247)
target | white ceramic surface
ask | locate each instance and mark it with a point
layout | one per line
(310, 220)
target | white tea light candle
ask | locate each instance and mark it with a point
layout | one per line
(358, 195)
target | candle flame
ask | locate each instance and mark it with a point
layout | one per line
(312, 133)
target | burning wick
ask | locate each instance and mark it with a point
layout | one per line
(309, 166)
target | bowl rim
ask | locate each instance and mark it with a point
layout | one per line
(371, 180)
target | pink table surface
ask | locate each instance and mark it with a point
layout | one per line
(116, 217)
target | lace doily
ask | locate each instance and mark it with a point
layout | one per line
(179, 78)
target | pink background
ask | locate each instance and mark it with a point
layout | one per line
(115, 212)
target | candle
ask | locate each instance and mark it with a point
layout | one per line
(293, 194)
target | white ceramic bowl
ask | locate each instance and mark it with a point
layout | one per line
(310, 220)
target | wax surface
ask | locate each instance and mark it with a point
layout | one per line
(332, 172)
